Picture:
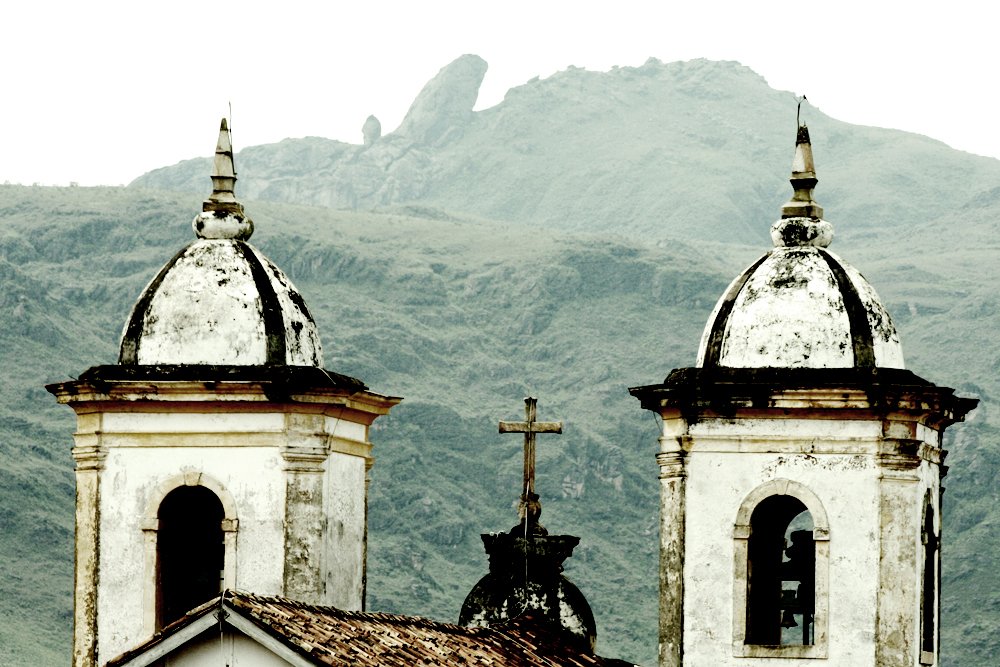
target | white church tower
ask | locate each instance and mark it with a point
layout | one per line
(218, 453)
(800, 470)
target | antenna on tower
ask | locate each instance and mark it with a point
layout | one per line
(231, 133)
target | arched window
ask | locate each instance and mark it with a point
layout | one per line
(780, 582)
(190, 552)
(928, 607)
(781, 574)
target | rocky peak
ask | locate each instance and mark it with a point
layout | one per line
(445, 103)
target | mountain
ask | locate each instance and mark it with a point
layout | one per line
(693, 149)
(463, 309)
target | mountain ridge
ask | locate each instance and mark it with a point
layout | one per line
(641, 150)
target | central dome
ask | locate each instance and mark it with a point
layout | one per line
(220, 301)
(800, 306)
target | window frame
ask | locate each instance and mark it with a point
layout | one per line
(930, 611)
(821, 541)
(150, 526)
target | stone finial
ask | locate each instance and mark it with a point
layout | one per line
(222, 216)
(801, 222)
(803, 180)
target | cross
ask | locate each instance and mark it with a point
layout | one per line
(529, 427)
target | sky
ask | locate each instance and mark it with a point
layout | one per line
(97, 93)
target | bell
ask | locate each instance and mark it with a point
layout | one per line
(788, 619)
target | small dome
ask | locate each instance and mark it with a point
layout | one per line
(800, 306)
(220, 301)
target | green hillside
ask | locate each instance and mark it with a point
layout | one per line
(548, 246)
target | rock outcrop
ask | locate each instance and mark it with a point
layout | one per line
(444, 106)
(371, 130)
(641, 150)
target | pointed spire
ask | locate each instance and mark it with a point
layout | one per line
(222, 216)
(803, 178)
(801, 222)
(223, 196)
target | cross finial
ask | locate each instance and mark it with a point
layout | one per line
(530, 507)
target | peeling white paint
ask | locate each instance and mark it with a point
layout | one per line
(207, 309)
(791, 313)
(291, 480)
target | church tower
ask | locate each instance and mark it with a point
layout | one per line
(800, 469)
(217, 453)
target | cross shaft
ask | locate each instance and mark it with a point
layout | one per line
(529, 427)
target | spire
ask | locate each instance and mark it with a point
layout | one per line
(223, 196)
(222, 215)
(803, 178)
(801, 222)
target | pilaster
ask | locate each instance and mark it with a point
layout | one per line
(305, 522)
(672, 519)
(899, 505)
(89, 456)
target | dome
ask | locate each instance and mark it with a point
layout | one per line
(220, 301)
(800, 306)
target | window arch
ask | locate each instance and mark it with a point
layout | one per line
(188, 514)
(780, 591)
(190, 552)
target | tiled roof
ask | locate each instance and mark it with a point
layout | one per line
(330, 636)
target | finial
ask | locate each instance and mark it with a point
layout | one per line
(801, 218)
(222, 216)
(803, 174)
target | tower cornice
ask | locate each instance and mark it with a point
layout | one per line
(699, 393)
(140, 388)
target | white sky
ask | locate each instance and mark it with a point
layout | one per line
(99, 92)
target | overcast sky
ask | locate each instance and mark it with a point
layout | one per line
(100, 92)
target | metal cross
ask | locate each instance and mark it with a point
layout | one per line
(529, 427)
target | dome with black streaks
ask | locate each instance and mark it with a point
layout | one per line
(800, 306)
(220, 301)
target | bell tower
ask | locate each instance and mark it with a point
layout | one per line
(217, 453)
(800, 469)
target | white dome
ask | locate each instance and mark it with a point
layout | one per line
(221, 302)
(800, 307)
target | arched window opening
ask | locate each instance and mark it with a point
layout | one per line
(781, 574)
(928, 612)
(190, 551)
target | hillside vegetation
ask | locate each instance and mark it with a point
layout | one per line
(571, 273)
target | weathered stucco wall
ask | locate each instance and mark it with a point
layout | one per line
(292, 486)
(872, 487)
(717, 485)
(345, 509)
(135, 477)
